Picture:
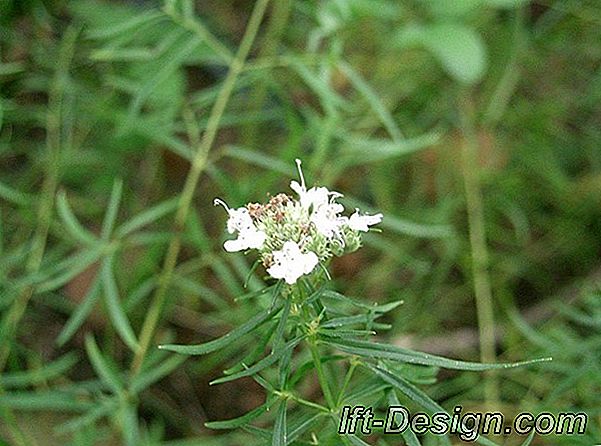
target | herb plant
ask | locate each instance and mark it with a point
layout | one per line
(309, 330)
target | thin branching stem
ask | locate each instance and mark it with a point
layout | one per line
(479, 250)
(198, 165)
(49, 187)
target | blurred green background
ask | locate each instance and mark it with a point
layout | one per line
(472, 125)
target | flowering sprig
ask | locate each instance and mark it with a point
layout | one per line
(294, 235)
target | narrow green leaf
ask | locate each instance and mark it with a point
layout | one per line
(408, 434)
(152, 375)
(115, 309)
(393, 353)
(103, 409)
(124, 26)
(41, 375)
(365, 150)
(295, 430)
(529, 439)
(409, 390)
(349, 320)
(102, 367)
(269, 360)
(279, 429)
(14, 196)
(260, 159)
(372, 98)
(47, 400)
(72, 225)
(244, 419)
(356, 441)
(111, 212)
(416, 395)
(81, 312)
(375, 307)
(226, 339)
(146, 217)
(71, 267)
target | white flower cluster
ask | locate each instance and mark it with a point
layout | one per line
(293, 236)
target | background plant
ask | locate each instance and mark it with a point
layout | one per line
(380, 98)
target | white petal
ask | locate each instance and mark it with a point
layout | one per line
(362, 222)
(255, 239)
(234, 245)
(310, 262)
(290, 263)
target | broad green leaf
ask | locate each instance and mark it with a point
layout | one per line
(377, 350)
(226, 339)
(41, 375)
(279, 429)
(459, 49)
(115, 307)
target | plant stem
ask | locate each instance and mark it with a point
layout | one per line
(273, 34)
(198, 165)
(323, 382)
(49, 186)
(347, 380)
(479, 250)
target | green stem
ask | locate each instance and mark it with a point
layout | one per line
(347, 380)
(46, 200)
(323, 381)
(277, 23)
(479, 250)
(198, 165)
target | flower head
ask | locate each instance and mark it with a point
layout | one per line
(294, 235)
(290, 262)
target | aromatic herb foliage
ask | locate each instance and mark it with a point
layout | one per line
(471, 125)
